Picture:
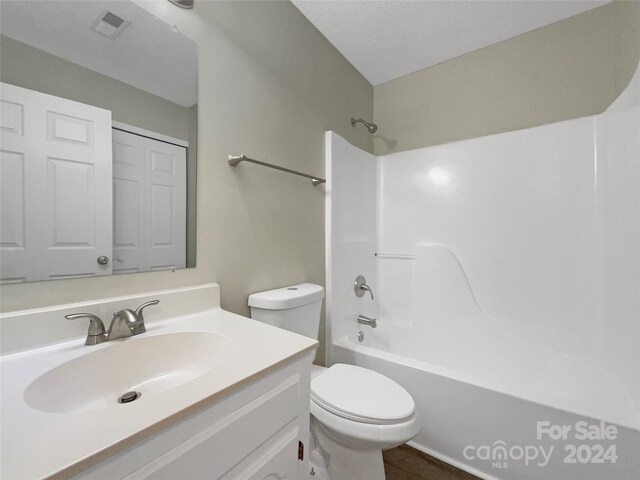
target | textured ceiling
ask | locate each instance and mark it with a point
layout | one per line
(388, 39)
(148, 54)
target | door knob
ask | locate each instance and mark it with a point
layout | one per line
(102, 260)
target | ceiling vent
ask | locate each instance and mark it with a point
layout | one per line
(109, 24)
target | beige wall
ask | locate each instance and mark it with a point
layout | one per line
(269, 86)
(29, 67)
(572, 68)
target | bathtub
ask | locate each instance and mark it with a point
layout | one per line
(486, 416)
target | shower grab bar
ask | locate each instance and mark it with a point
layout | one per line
(236, 159)
(399, 256)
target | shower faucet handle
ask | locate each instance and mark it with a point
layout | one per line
(360, 286)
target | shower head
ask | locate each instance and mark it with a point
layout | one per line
(371, 127)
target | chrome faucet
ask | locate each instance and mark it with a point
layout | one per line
(360, 286)
(367, 321)
(125, 323)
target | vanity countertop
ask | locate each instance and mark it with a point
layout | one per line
(39, 444)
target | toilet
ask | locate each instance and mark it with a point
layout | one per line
(355, 412)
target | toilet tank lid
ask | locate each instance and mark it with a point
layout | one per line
(287, 297)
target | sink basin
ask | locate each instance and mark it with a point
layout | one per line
(146, 364)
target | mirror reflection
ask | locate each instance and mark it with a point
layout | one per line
(98, 124)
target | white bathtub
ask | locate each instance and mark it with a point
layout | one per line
(472, 403)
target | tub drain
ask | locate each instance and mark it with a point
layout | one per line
(129, 397)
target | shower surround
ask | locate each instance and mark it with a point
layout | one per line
(507, 278)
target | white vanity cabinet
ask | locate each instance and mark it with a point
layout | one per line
(223, 396)
(255, 431)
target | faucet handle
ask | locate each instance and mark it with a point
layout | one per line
(96, 327)
(140, 315)
(145, 305)
(360, 286)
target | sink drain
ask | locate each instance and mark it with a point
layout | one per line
(129, 397)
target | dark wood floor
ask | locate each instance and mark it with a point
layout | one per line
(406, 463)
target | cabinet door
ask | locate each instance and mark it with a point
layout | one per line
(278, 464)
(55, 166)
(251, 436)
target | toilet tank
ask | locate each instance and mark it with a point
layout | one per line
(295, 308)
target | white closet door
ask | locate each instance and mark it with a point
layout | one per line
(166, 205)
(149, 204)
(56, 187)
(128, 200)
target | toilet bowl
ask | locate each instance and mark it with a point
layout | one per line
(355, 412)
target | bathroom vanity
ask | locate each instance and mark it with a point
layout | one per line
(222, 396)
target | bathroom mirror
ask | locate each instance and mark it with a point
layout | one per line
(99, 115)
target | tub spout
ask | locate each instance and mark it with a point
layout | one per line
(367, 321)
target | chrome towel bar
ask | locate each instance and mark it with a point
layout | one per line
(236, 159)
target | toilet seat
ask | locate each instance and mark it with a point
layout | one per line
(358, 435)
(361, 395)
